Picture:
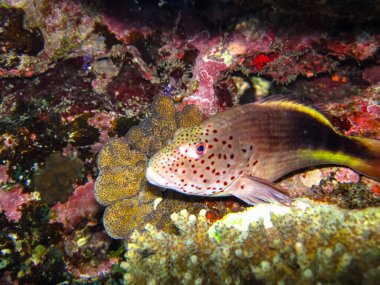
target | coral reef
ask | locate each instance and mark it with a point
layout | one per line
(11, 200)
(80, 205)
(29, 249)
(359, 115)
(76, 74)
(307, 244)
(121, 184)
(55, 180)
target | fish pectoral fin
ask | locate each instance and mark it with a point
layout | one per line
(254, 190)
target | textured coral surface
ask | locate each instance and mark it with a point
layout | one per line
(306, 244)
(77, 77)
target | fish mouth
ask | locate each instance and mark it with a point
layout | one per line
(154, 178)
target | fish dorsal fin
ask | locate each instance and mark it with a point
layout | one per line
(284, 102)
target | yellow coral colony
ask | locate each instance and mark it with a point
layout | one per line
(121, 184)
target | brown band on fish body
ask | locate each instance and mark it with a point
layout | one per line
(243, 150)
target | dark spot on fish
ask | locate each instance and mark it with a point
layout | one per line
(211, 156)
(231, 137)
(215, 131)
(195, 171)
(232, 156)
(224, 142)
(244, 150)
(225, 183)
(216, 140)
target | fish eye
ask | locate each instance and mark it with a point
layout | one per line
(200, 148)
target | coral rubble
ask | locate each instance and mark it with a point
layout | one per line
(307, 244)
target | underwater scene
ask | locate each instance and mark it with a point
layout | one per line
(189, 142)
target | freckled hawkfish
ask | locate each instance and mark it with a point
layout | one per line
(243, 150)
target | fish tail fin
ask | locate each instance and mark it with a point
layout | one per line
(366, 160)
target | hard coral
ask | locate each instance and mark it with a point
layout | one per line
(121, 184)
(306, 244)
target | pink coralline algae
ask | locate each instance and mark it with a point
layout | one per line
(4, 178)
(11, 200)
(360, 47)
(105, 123)
(372, 74)
(81, 204)
(361, 114)
(346, 175)
(11, 196)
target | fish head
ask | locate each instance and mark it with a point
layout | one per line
(201, 160)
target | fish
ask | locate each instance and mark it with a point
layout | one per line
(244, 150)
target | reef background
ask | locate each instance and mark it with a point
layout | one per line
(75, 74)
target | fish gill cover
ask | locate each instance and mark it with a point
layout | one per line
(77, 77)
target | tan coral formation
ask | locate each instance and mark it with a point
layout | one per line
(55, 180)
(311, 243)
(121, 183)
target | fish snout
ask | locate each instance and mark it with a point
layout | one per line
(154, 178)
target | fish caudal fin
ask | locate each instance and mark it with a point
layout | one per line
(367, 160)
(254, 190)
